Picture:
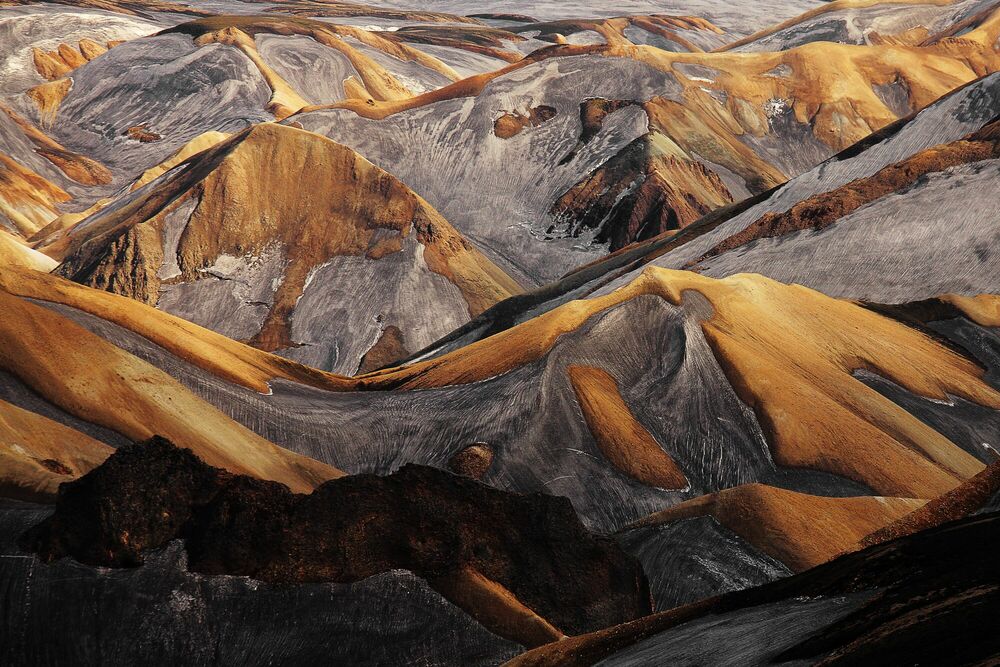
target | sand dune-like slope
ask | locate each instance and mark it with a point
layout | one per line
(584, 402)
(223, 357)
(38, 454)
(754, 520)
(800, 530)
(229, 242)
(100, 383)
(27, 201)
(14, 252)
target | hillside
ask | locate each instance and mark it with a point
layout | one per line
(465, 333)
(279, 260)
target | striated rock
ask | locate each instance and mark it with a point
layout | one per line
(800, 530)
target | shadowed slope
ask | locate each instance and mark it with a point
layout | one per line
(928, 597)
(799, 530)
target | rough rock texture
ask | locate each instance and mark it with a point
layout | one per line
(420, 519)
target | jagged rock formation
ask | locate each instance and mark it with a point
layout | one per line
(531, 566)
(652, 186)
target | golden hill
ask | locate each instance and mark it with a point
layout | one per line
(14, 252)
(269, 186)
(92, 379)
(38, 454)
(790, 353)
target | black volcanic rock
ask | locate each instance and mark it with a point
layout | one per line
(420, 519)
(930, 598)
(139, 499)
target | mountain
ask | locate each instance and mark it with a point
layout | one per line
(907, 153)
(459, 334)
(751, 119)
(344, 243)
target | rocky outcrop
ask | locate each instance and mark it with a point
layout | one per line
(650, 187)
(509, 124)
(420, 519)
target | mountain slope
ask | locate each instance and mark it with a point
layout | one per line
(864, 267)
(777, 387)
(227, 241)
(86, 378)
(752, 119)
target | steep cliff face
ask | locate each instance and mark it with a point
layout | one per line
(268, 234)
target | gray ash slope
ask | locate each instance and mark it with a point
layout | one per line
(872, 262)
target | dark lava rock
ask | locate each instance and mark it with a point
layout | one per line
(420, 519)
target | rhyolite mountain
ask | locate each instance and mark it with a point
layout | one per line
(464, 334)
